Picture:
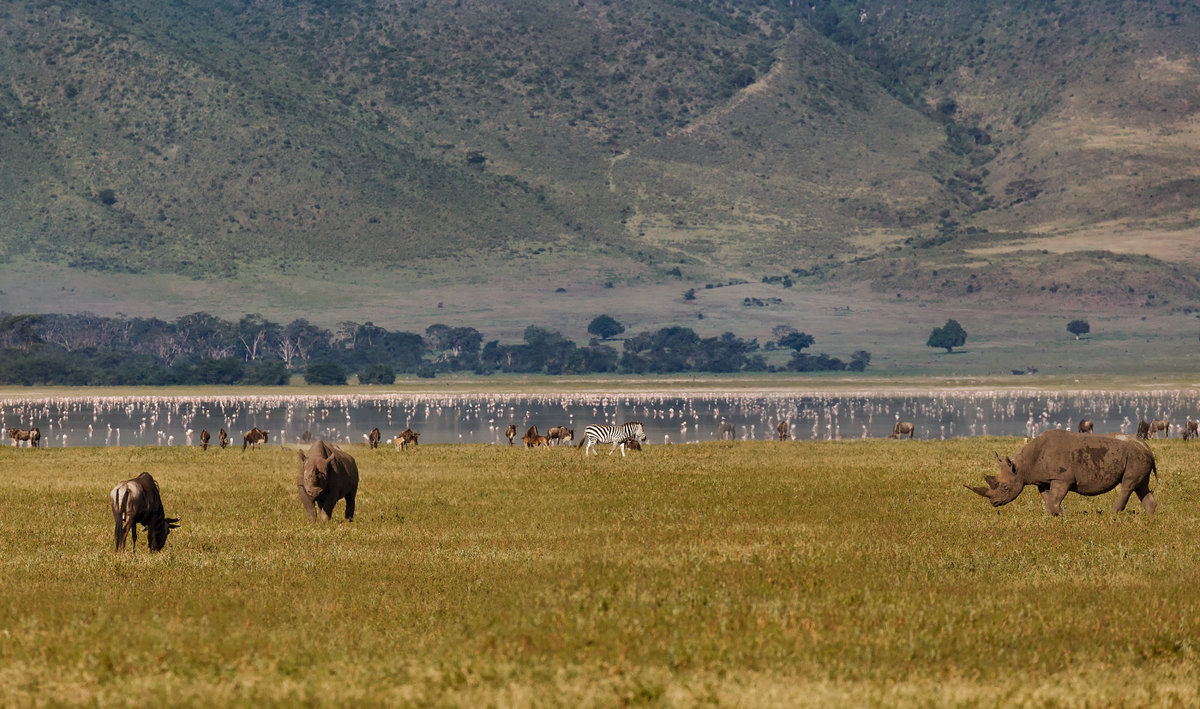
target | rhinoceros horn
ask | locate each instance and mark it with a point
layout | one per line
(981, 491)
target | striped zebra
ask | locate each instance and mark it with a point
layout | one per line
(616, 435)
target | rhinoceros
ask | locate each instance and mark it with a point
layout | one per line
(1059, 461)
(327, 474)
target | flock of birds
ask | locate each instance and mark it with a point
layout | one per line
(178, 420)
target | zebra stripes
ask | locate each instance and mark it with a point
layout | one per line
(616, 435)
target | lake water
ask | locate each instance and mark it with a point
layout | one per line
(169, 420)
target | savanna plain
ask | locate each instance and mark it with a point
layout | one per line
(725, 573)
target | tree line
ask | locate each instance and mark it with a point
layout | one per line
(86, 349)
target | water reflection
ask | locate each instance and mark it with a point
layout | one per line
(170, 420)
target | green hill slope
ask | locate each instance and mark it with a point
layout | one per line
(475, 141)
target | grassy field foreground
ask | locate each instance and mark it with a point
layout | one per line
(748, 573)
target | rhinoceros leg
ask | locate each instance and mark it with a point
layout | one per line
(1148, 502)
(306, 501)
(1053, 497)
(1123, 493)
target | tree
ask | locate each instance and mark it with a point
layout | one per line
(605, 327)
(950, 335)
(1078, 327)
(796, 340)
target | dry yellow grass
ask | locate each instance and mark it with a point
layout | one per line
(747, 574)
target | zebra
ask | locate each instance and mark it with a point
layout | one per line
(616, 435)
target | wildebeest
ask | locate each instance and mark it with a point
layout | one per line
(1143, 430)
(33, 435)
(253, 437)
(1085, 425)
(373, 437)
(223, 438)
(511, 432)
(1059, 461)
(631, 444)
(1191, 430)
(406, 437)
(560, 434)
(1163, 425)
(901, 428)
(537, 441)
(782, 430)
(327, 474)
(529, 436)
(726, 429)
(306, 437)
(204, 439)
(135, 502)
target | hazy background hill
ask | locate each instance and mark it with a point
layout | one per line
(497, 164)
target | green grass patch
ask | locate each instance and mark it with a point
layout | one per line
(746, 573)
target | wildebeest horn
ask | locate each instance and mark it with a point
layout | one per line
(981, 491)
(172, 522)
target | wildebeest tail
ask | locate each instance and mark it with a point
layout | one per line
(119, 516)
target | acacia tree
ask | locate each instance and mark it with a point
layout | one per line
(605, 327)
(950, 335)
(1078, 327)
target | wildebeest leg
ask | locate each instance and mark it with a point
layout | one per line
(132, 526)
(350, 507)
(1148, 502)
(307, 503)
(1054, 496)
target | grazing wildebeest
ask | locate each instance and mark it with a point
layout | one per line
(1163, 425)
(901, 428)
(1143, 430)
(531, 434)
(33, 435)
(1085, 425)
(1191, 430)
(327, 474)
(204, 439)
(373, 437)
(511, 432)
(538, 441)
(135, 502)
(223, 438)
(560, 434)
(782, 430)
(631, 444)
(726, 429)
(1059, 461)
(253, 437)
(406, 437)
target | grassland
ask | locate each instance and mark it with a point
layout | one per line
(752, 574)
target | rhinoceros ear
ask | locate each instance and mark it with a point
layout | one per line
(1011, 466)
(300, 454)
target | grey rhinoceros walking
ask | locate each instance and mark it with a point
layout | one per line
(327, 474)
(1059, 461)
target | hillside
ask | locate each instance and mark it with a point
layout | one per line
(404, 151)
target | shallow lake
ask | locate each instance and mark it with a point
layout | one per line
(178, 420)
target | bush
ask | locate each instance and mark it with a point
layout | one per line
(325, 373)
(377, 374)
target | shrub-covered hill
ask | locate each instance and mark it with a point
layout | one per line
(198, 137)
